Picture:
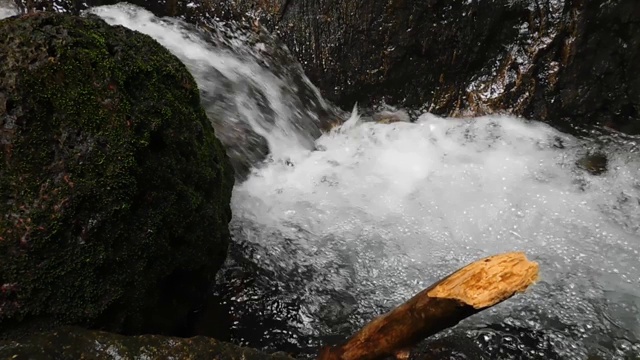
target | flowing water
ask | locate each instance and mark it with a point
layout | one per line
(379, 212)
(6, 9)
(254, 91)
(332, 232)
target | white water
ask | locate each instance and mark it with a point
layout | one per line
(378, 212)
(244, 91)
(6, 9)
(201, 58)
(382, 211)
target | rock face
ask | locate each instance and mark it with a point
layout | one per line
(561, 61)
(114, 191)
(73, 343)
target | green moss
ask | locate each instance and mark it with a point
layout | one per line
(113, 187)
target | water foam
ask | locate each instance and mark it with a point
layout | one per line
(378, 212)
(7, 10)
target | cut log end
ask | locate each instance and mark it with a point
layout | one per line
(489, 281)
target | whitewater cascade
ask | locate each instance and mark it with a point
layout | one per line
(347, 226)
(254, 92)
(6, 11)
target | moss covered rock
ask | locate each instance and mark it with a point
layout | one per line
(114, 191)
(74, 343)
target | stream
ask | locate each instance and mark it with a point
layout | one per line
(335, 227)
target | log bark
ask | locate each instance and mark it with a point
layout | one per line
(475, 287)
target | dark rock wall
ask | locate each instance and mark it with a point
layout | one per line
(599, 57)
(403, 52)
(566, 62)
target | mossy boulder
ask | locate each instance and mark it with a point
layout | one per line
(71, 343)
(114, 190)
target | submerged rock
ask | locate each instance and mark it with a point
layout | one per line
(114, 191)
(595, 163)
(71, 343)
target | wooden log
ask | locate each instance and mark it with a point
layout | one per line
(473, 288)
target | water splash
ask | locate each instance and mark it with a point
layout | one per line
(379, 212)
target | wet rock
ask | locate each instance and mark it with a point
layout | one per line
(401, 52)
(564, 62)
(114, 191)
(389, 117)
(569, 68)
(71, 343)
(594, 163)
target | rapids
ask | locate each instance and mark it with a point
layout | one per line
(336, 229)
(378, 212)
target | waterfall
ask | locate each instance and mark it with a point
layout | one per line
(253, 90)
